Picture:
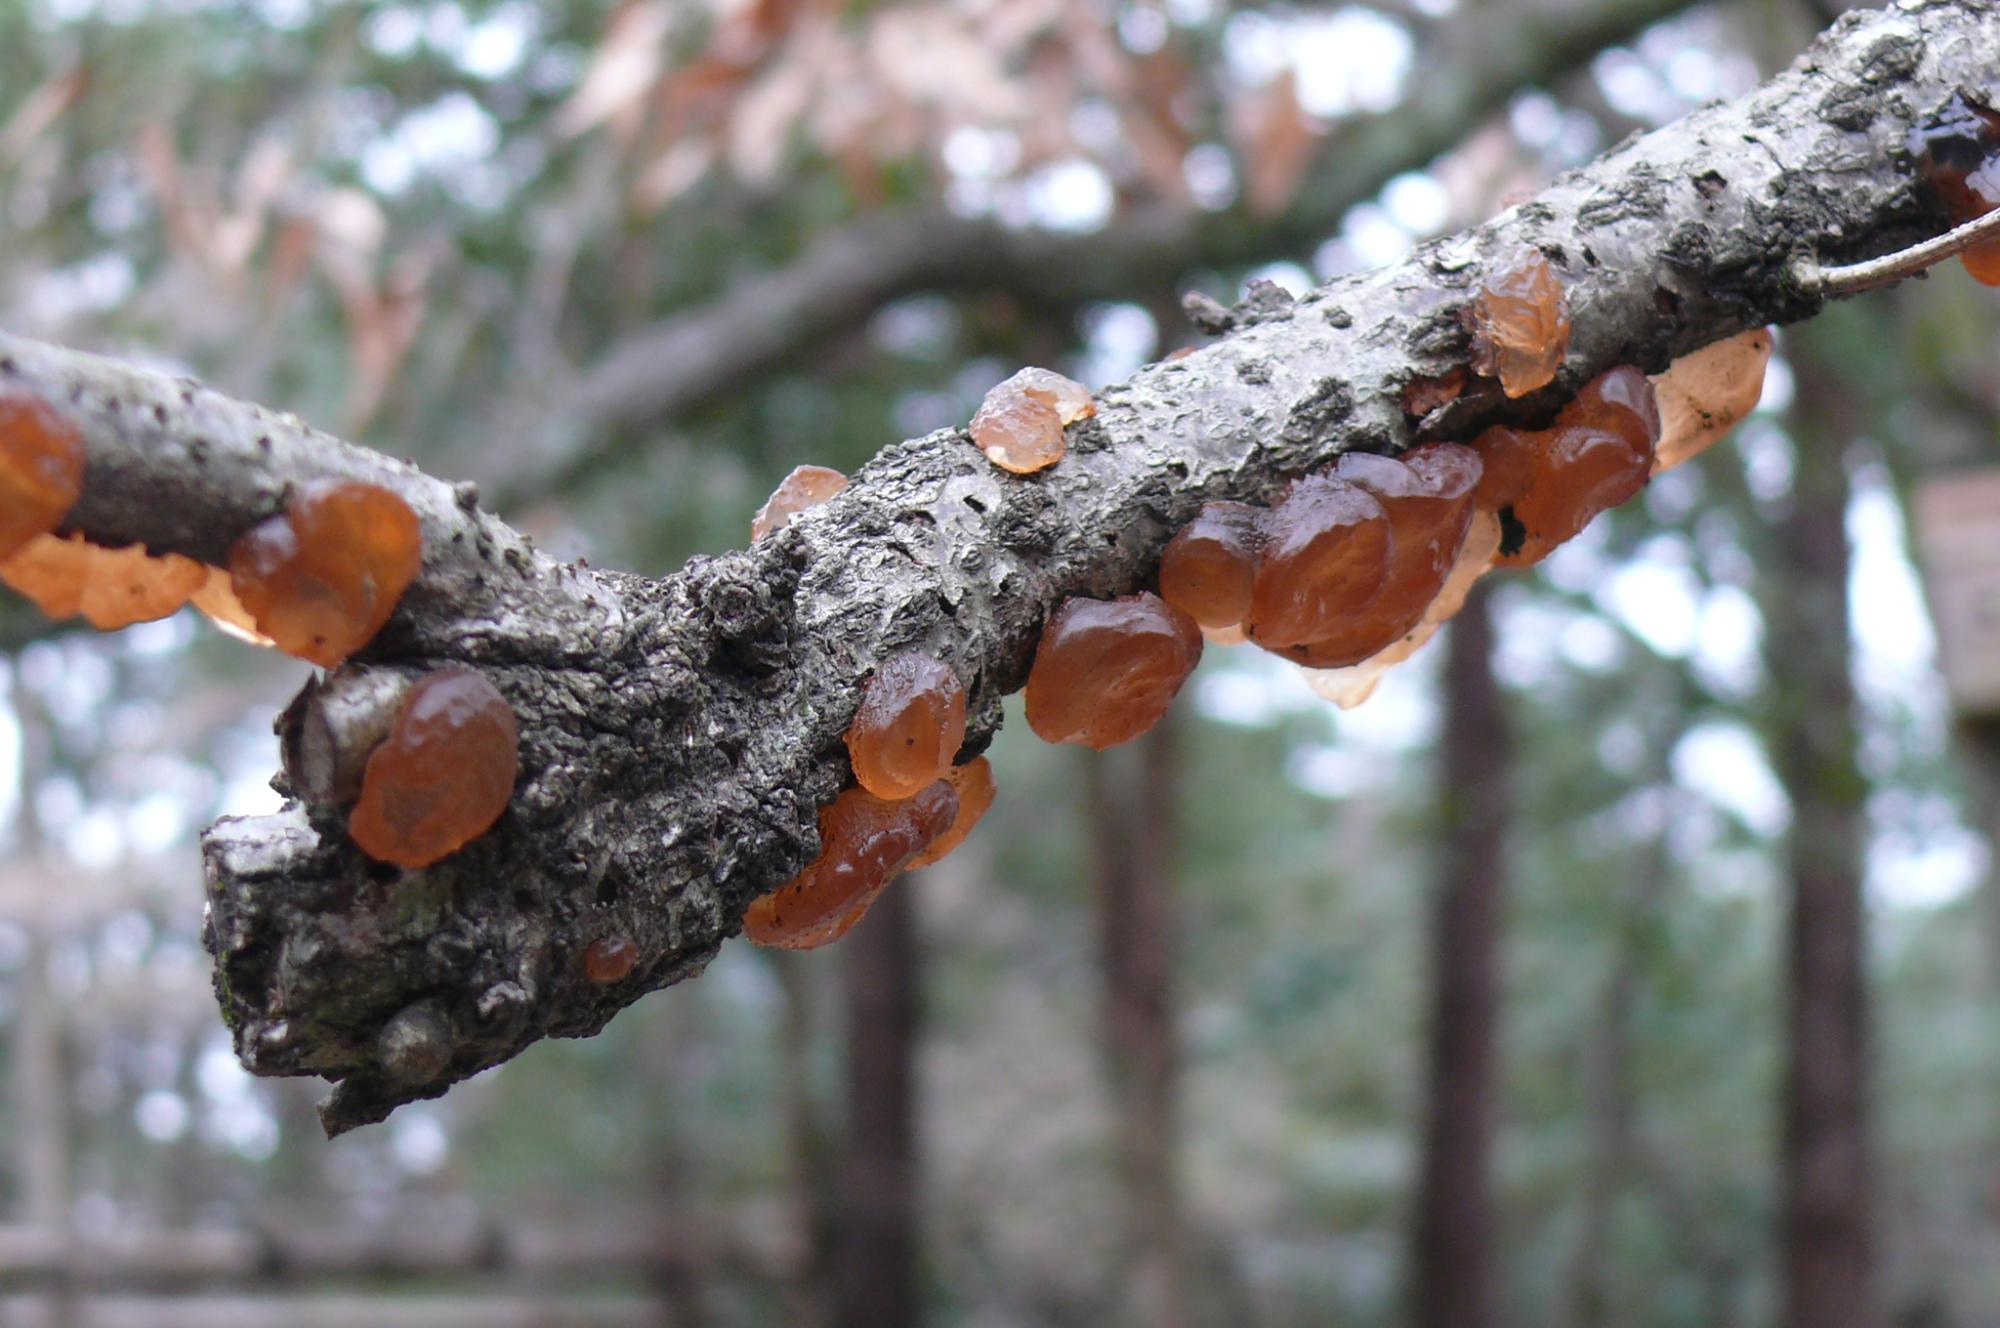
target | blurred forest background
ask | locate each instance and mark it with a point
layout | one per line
(1667, 876)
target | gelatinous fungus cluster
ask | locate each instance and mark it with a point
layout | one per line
(321, 578)
(912, 808)
(444, 773)
(866, 842)
(1019, 426)
(1520, 324)
(1957, 148)
(1105, 671)
(318, 581)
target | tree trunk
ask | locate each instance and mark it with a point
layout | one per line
(812, 1181)
(1825, 1235)
(1453, 1240)
(876, 1278)
(1132, 795)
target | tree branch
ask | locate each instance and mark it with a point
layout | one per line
(679, 735)
(714, 350)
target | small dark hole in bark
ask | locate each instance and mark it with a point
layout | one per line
(975, 505)
(383, 872)
(524, 901)
(607, 890)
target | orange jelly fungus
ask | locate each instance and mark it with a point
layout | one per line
(321, 579)
(1598, 454)
(1106, 670)
(909, 726)
(1707, 392)
(1958, 153)
(443, 775)
(1520, 324)
(610, 959)
(806, 486)
(1020, 424)
(41, 469)
(216, 598)
(973, 782)
(1427, 495)
(865, 843)
(111, 588)
(1210, 566)
(1326, 554)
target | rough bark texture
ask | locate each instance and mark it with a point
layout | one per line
(1827, 1249)
(1453, 1264)
(679, 734)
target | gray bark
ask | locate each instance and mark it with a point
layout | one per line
(679, 734)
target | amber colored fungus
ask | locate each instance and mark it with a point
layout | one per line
(1598, 455)
(1520, 324)
(1427, 495)
(1421, 396)
(973, 782)
(1326, 553)
(1020, 424)
(111, 588)
(1017, 432)
(610, 959)
(321, 579)
(1209, 567)
(806, 486)
(1106, 670)
(443, 775)
(865, 843)
(216, 598)
(41, 469)
(909, 726)
(1706, 392)
(1958, 154)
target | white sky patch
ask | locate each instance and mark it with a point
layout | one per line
(1725, 764)
(981, 153)
(1353, 59)
(161, 1116)
(1417, 202)
(1779, 386)
(1210, 175)
(1373, 236)
(1657, 596)
(1729, 641)
(1117, 339)
(418, 1141)
(493, 47)
(1069, 195)
(451, 133)
(1892, 627)
(1919, 855)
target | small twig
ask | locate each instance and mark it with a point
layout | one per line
(1825, 281)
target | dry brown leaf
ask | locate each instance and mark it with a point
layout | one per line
(622, 72)
(1274, 141)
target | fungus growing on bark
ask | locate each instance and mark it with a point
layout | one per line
(321, 579)
(1325, 555)
(865, 843)
(1427, 496)
(1706, 393)
(1019, 426)
(216, 598)
(806, 486)
(111, 588)
(610, 959)
(1520, 324)
(443, 775)
(41, 469)
(973, 782)
(1957, 148)
(1106, 670)
(1209, 567)
(909, 726)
